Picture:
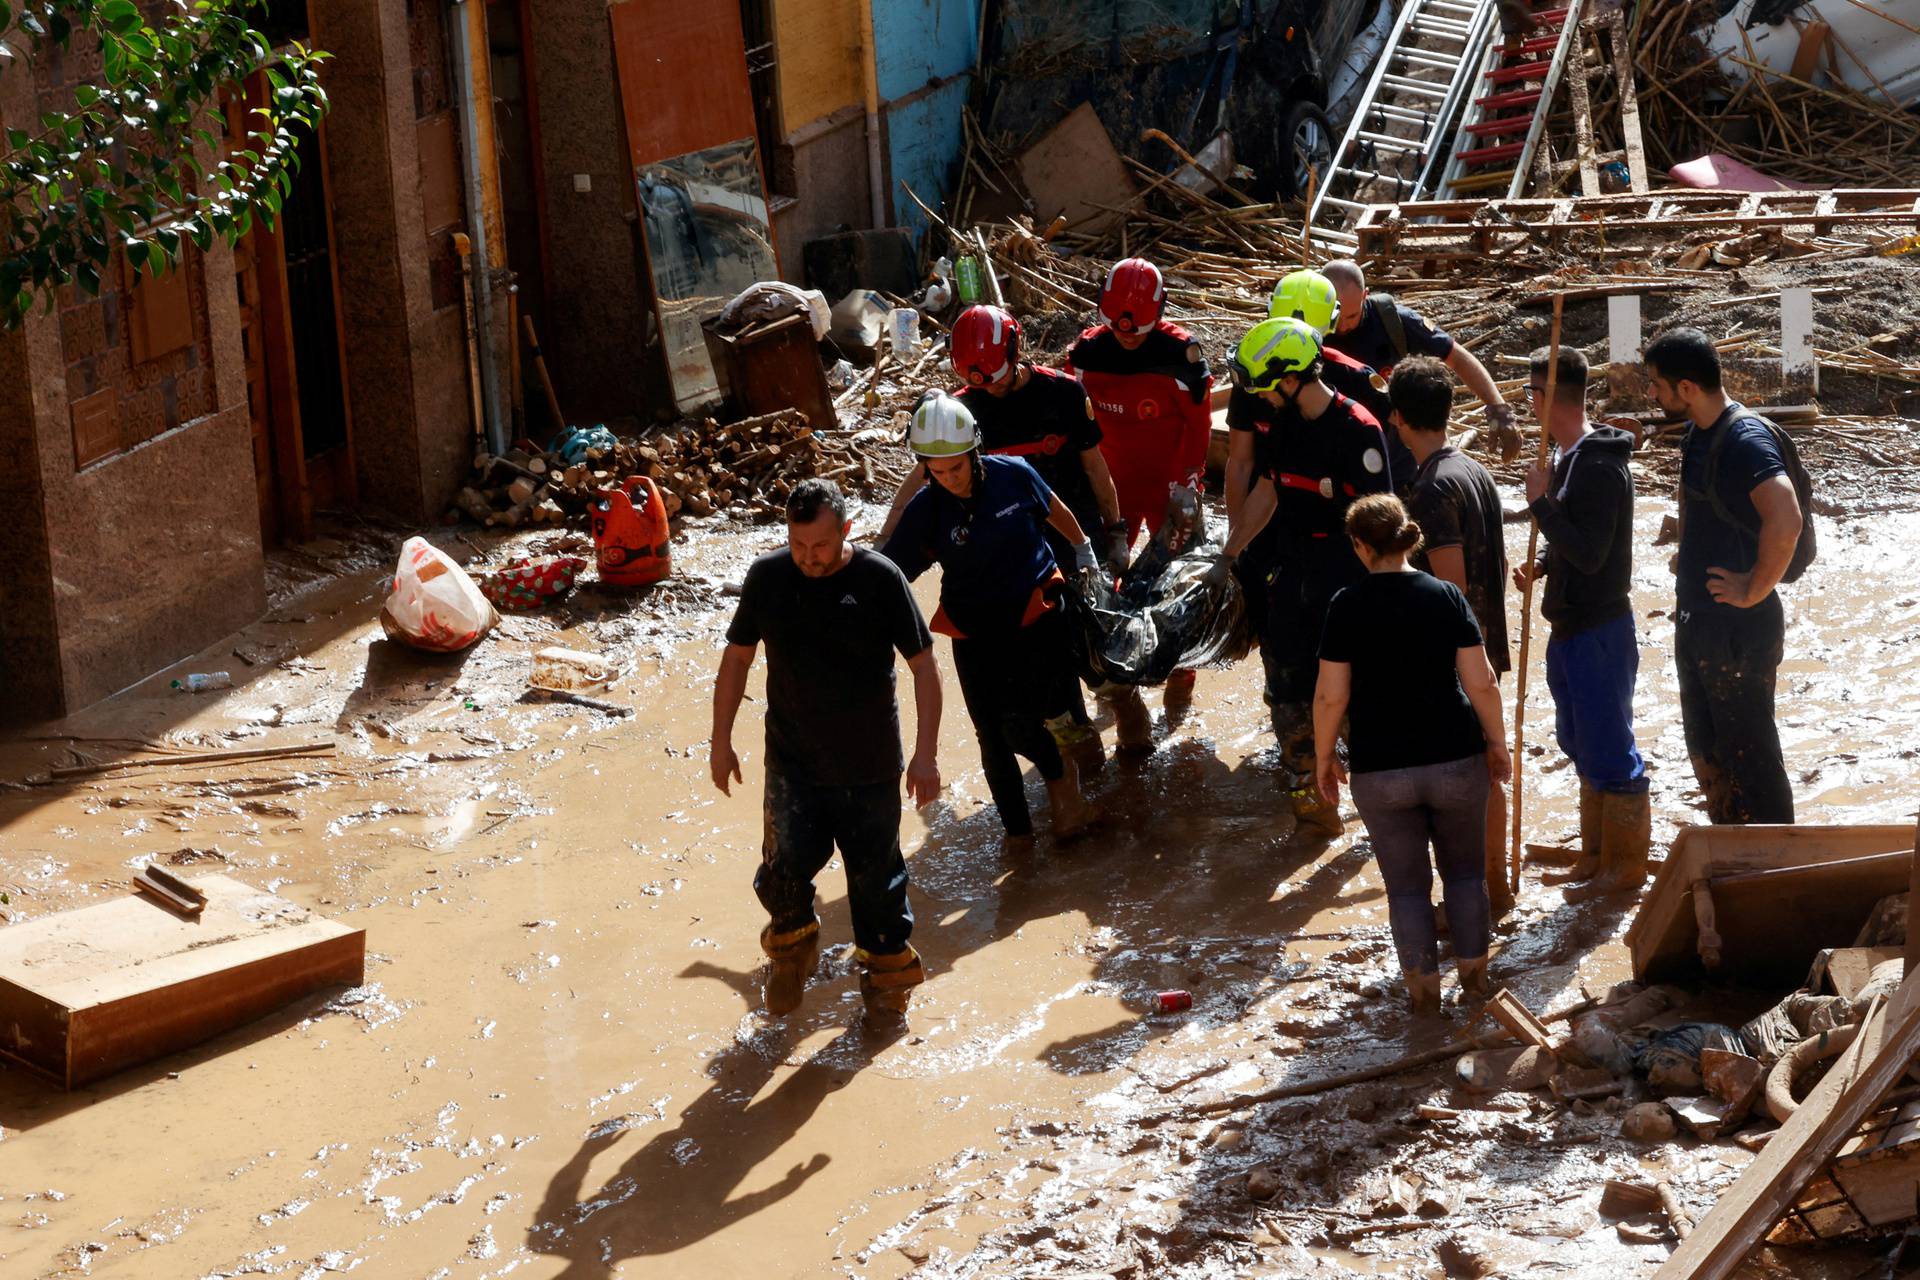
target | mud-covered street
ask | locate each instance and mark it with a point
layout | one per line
(557, 1066)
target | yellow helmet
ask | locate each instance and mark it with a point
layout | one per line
(1272, 350)
(1306, 295)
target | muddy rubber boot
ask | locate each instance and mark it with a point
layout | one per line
(1626, 830)
(1177, 695)
(1313, 818)
(1072, 814)
(1133, 727)
(1078, 742)
(1588, 865)
(886, 985)
(1474, 985)
(794, 955)
(1423, 993)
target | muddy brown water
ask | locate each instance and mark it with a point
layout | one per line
(557, 1068)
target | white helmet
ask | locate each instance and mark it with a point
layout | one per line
(942, 427)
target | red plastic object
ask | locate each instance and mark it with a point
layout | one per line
(529, 583)
(629, 538)
(1172, 1001)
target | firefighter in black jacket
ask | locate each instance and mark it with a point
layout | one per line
(1316, 453)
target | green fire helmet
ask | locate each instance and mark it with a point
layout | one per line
(942, 427)
(1306, 295)
(1274, 349)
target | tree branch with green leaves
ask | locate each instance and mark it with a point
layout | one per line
(134, 164)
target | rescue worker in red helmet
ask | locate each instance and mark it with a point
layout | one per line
(1150, 388)
(1024, 410)
(1321, 452)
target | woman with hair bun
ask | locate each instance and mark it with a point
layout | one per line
(1402, 661)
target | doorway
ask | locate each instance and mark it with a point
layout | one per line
(288, 286)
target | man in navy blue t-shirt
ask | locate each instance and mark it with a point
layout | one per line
(1729, 626)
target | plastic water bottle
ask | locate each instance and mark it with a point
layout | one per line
(966, 278)
(202, 681)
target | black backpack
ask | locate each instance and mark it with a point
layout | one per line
(1809, 545)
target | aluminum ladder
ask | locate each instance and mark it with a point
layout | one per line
(1499, 139)
(1419, 85)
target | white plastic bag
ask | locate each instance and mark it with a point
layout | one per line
(435, 606)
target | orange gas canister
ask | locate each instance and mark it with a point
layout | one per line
(630, 534)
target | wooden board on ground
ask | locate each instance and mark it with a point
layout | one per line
(1769, 925)
(86, 993)
(1073, 169)
(1802, 1148)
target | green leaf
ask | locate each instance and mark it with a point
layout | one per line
(120, 16)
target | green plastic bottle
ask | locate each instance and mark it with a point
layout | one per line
(966, 278)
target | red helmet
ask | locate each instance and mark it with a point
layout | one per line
(986, 346)
(1133, 296)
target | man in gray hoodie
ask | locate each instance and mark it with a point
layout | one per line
(1584, 505)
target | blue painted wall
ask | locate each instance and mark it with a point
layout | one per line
(917, 42)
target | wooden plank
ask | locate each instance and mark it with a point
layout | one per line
(86, 993)
(1878, 1057)
(1579, 91)
(1506, 1009)
(1848, 968)
(1629, 103)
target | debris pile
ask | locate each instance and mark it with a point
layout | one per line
(1784, 124)
(701, 468)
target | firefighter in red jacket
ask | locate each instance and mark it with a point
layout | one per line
(1150, 388)
(1150, 384)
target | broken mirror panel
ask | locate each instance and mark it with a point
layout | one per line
(707, 239)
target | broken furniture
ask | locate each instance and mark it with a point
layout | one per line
(86, 993)
(768, 367)
(1761, 901)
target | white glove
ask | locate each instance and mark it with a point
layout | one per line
(1083, 557)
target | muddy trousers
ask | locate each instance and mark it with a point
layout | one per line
(1591, 675)
(1406, 811)
(1012, 684)
(803, 824)
(1729, 665)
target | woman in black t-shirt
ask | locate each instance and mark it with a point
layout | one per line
(1402, 660)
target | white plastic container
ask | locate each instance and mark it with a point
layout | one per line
(903, 326)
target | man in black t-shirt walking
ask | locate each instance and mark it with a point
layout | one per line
(1455, 502)
(1740, 521)
(832, 616)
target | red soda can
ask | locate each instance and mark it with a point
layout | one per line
(1172, 1001)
